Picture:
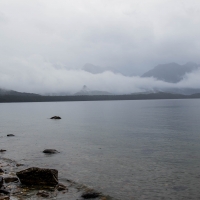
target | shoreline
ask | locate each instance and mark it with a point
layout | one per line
(14, 190)
(149, 96)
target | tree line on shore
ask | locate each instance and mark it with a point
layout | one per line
(40, 98)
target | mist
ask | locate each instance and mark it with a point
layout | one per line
(40, 76)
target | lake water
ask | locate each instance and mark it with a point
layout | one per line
(131, 150)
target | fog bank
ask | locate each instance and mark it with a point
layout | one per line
(36, 75)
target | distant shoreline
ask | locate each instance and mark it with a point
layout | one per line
(40, 98)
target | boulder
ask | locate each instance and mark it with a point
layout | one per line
(38, 176)
(55, 117)
(50, 151)
(10, 135)
(1, 170)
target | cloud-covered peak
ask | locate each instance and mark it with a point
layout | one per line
(171, 72)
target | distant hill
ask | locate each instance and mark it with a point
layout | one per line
(172, 72)
(185, 91)
(4, 92)
(86, 91)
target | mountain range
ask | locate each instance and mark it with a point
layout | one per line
(4, 92)
(171, 72)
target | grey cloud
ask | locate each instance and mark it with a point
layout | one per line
(129, 37)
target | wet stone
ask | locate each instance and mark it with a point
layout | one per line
(50, 151)
(55, 117)
(61, 187)
(90, 195)
(18, 165)
(43, 193)
(10, 135)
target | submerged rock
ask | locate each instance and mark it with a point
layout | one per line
(10, 135)
(18, 165)
(90, 195)
(38, 176)
(50, 151)
(55, 117)
(2, 150)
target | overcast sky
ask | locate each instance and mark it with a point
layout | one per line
(45, 43)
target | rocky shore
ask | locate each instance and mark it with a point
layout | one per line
(18, 182)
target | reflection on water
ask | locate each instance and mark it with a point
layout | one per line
(127, 149)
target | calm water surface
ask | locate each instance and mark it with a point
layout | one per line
(131, 150)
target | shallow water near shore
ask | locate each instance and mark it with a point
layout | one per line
(125, 149)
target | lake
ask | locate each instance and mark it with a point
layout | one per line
(130, 150)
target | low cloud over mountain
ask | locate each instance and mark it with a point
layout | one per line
(41, 76)
(86, 91)
(172, 72)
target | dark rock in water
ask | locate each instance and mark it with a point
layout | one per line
(38, 176)
(2, 191)
(4, 197)
(55, 117)
(2, 150)
(90, 195)
(18, 165)
(61, 187)
(9, 179)
(1, 170)
(50, 151)
(10, 135)
(43, 193)
(1, 181)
